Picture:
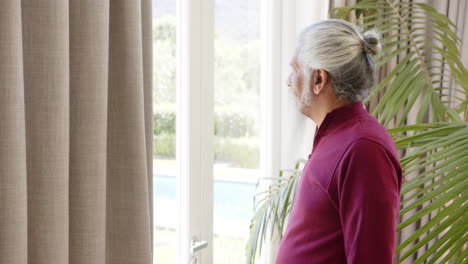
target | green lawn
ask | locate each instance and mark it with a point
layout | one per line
(164, 254)
(227, 250)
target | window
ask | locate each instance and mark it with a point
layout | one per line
(236, 124)
(237, 121)
(218, 75)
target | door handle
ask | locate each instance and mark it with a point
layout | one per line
(197, 245)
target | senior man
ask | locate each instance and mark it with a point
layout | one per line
(347, 201)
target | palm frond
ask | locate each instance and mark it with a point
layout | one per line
(422, 40)
(439, 156)
(272, 206)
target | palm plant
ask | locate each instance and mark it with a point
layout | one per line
(423, 102)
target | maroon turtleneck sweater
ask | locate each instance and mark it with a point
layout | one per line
(347, 201)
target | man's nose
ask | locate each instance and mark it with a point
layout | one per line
(288, 82)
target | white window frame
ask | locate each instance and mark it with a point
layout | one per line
(195, 128)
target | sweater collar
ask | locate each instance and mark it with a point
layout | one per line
(337, 117)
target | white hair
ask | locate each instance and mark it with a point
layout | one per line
(339, 48)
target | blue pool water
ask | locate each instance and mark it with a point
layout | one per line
(233, 203)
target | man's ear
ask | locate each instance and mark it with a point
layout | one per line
(319, 81)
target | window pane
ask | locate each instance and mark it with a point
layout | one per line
(237, 114)
(164, 102)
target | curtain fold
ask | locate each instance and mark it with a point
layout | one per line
(13, 172)
(75, 131)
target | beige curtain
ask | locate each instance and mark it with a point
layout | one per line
(75, 131)
(456, 10)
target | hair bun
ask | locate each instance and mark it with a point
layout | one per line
(372, 42)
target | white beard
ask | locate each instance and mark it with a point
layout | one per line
(306, 96)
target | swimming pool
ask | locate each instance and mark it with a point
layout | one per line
(233, 205)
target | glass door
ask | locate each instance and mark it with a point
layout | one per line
(237, 125)
(208, 127)
(183, 131)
